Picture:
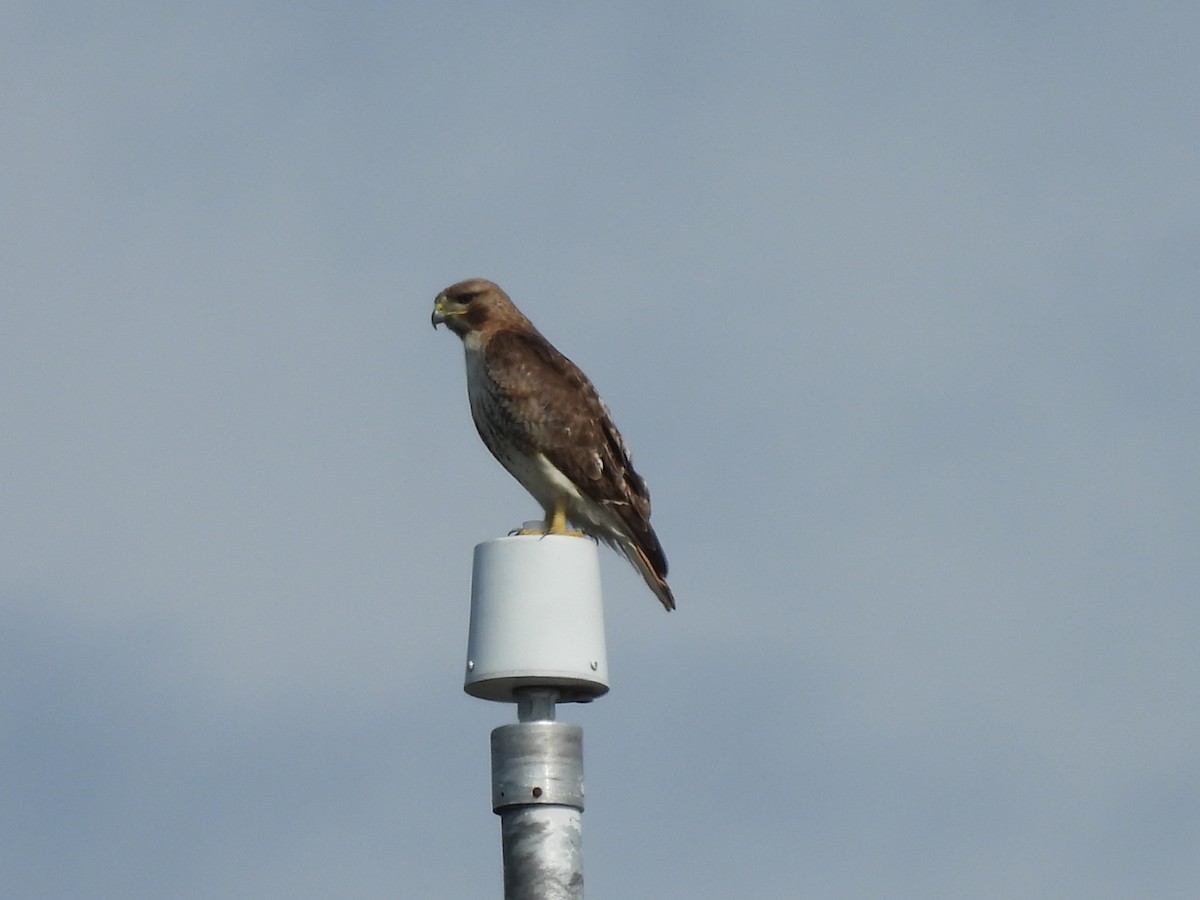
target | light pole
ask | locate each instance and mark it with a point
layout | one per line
(537, 639)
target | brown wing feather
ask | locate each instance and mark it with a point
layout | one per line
(564, 418)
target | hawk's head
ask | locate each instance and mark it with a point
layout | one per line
(470, 305)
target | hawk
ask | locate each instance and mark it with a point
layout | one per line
(545, 423)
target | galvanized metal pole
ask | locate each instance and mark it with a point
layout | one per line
(537, 790)
(537, 639)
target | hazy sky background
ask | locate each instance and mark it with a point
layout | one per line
(898, 307)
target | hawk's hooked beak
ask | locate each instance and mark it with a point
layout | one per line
(441, 313)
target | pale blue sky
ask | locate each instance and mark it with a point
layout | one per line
(897, 307)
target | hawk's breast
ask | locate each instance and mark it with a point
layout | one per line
(507, 437)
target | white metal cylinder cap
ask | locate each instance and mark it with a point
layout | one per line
(537, 618)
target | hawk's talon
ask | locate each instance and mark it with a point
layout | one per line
(542, 532)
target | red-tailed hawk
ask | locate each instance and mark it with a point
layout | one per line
(545, 423)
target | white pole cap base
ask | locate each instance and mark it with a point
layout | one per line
(537, 619)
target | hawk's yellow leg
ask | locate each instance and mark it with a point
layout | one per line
(556, 521)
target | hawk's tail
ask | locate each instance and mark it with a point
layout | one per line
(644, 562)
